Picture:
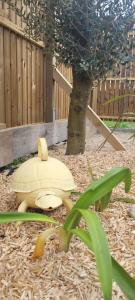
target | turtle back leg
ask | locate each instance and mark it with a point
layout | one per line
(22, 208)
(45, 236)
(41, 241)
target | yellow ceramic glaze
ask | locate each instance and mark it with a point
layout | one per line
(42, 181)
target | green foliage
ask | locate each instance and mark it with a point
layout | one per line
(89, 35)
(125, 282)
(17, 216)
(94, 237)
(97, 190)
(120, 124)
(101, 204)
(101, 250)
(123, 279)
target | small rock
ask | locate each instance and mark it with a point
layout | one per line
(132, 211)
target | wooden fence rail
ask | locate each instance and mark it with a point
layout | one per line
(112, 88)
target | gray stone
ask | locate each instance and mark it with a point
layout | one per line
(132, 211)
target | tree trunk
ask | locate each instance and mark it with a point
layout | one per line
(77, 113)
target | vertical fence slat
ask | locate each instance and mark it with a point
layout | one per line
(24, 76)
(33, 84)
(19, 79)
(48, 81)
(37, 85)
(7, 73)
(2, 103)
(14, 96)
(29, 84)
(41, 88)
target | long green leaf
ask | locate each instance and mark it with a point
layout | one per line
(101, 204)
(123, 279)
(96, 191)
(101, 250)
(17, 216)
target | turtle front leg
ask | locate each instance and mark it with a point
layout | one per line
(22, 208)
(68, 203)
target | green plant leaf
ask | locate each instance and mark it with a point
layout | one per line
(17, 216)
(120, 276)
(101, 251)
(95, 191)
(124, 280)
(101, 204)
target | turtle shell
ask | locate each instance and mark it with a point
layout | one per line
(37, 174)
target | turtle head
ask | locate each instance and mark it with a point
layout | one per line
(48, 200)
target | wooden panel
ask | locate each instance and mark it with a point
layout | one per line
(117, 92)
(31, 100)
(41, 88)
(48, 81)
(23, 93)
(14, 95)
(2, 104)
(24, 81)
(5, 22)
(37, 116)
(19, 81)
(29, 82)
(7, 79)
(63, 90)
(33, 84)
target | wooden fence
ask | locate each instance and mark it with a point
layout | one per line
(22, 91)
(112, 88)
(26, 81)
(62, 99)
(124, 84)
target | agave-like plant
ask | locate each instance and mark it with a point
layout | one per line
(94, 237)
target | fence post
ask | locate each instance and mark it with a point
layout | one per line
(94, 98)
(48, 89)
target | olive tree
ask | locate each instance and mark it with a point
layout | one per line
(91, 36)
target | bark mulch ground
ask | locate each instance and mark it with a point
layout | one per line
(72, 275)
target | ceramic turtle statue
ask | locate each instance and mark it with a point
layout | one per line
(43, 182)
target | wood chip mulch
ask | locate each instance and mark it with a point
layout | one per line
(72, 275)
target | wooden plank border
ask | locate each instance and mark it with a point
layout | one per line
(18, 30)
(104, 130)
(62, 81)
(19, 141)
